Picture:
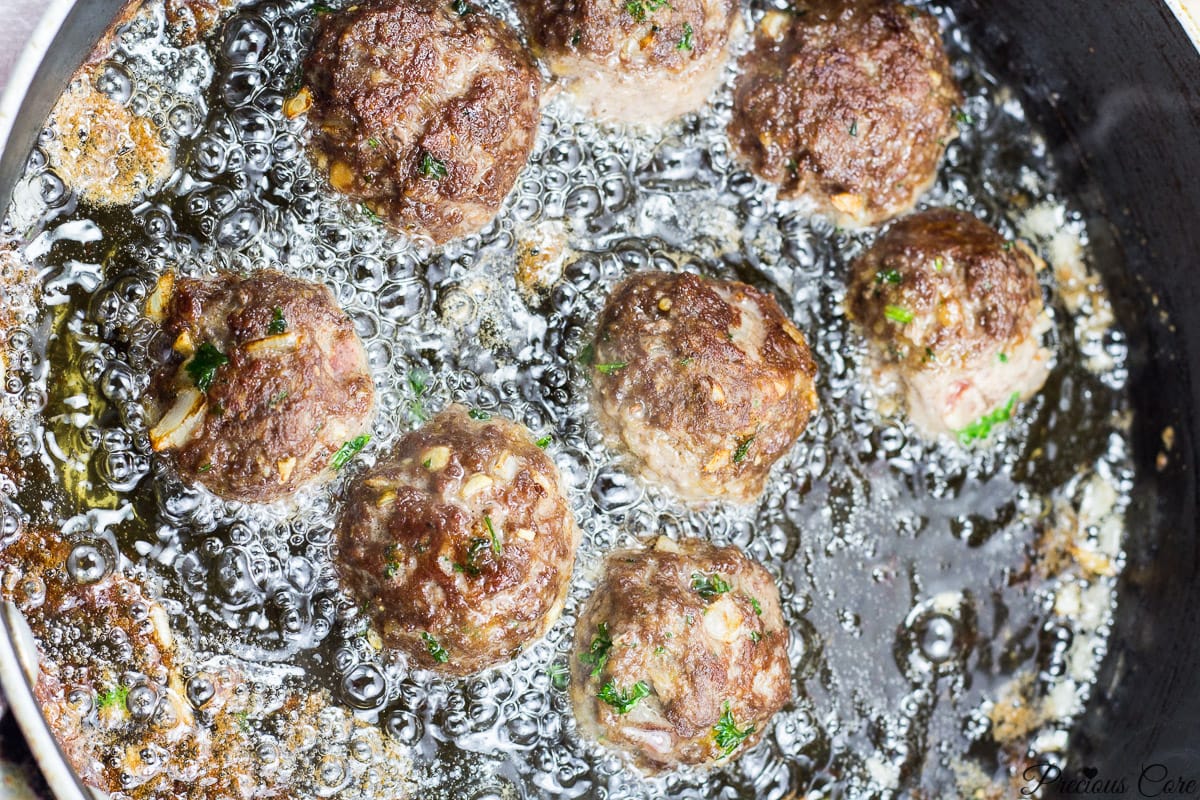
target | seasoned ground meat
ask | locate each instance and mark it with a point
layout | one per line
(680, 655)
(704, 383)
(641, 61)
(954, 315)
(264, 388)
(849, 103)
(425, 110)
(460, 543)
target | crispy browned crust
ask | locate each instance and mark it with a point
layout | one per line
(397, 81)
(659, 625)
(686, 379)
(970, 291)
(421, 557)
(850, 103)
(303, 403)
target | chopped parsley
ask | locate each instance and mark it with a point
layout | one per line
(348, 451)
(939, 264)
(277, 398)
(659, 650)
(982, 427)
(597, 655)
(545, 441)
(611, 367)
(278, 324)
(727, 734)
(474, 548)
(755, 637)
(113, 698)
(739, 454)
(417, 381)
(757, 606)
(854, 128)
(461, 7)
(686, 42)
(898, 314)
(322, 8)
(623, 700)
(963, 118)
(576, 38)
(391, 569)
(436, 650)
(205, 467)
(204, 364)
(475, 413)
(432, 168)
(684, 362)
(1008, 245)
(638, 9)
(709, 586)
(370, 213)
(487, 521)
(559, 675)
(587, 356)
(891, 276)
(1003, 358)
(372, 142)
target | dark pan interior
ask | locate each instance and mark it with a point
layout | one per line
(1113, 83)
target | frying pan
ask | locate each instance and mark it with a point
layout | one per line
(1115, 86)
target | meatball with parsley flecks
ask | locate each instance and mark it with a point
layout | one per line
(263, 385)
(954, 318)
(460, 542)
(638, 61)
(423, 110)
(681, 655)
(703, 383)
(849, 103)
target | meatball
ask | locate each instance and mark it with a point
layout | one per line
(704, 383)
(680, 655)
(849, 103)
(644, 61)
(954, 316)
(424, 110)
(265, 386)
(460, 543)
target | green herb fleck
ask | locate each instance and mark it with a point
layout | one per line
(757, 606)
(727, 734)
(348, 451)
(487, 521)
(560, 676)
(1008, 245)
(891, 276)
(898, 314)
(475, 413)
(113, 698)
(205, 467)
(587, 356)
(277, 398)
(204, 364)
(739, 455)
(689, 619)
(370, 213)
(610, 368)
(1003, 358)
(436, 650)
(576, 38)
(597, 654)
(930, 355)
(982, 427)
(686, 42)
(963, 118)
(461, 7)
(792, 166)
(683, 362)
(322, 8)
(709, 586)
(373, 143)
(623, 700)
(854, 128)
(432, 168)
(278, 324)
(939, 264)
(659, 650)
(755, 637)
(545, 441)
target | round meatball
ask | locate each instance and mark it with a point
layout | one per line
(641, 61)
(954, 316)
(424, 110)
(265, 386)
(704, 383)
(461, 542)
(680, 655)
(849, 103)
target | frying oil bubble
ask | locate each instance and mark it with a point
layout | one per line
(904, 565)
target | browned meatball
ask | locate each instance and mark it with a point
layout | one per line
(641, 61)
(461, 542)
(423, 112)
(705, 383)
(680, 655)
(265, 388)
(954, 316)
(849, 103)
